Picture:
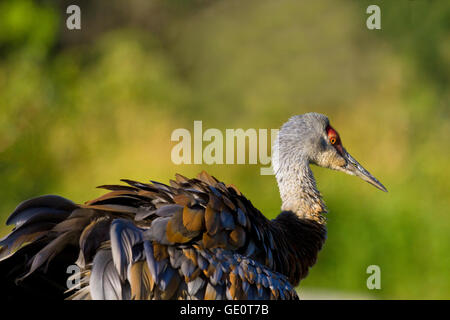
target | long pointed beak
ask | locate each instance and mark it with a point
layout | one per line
(354, 168)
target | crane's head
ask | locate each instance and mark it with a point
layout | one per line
(310, 137)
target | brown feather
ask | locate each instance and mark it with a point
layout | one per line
(176, 232)
(193, 219)
(237, 237)
(173, 235)
(112, 195)
(191, 255)
(210, 292)
(159, 251)
(140, 281)
(183, 199)
(234, 283)
(212, 220)
(218, 240)
(181, 179)
(205, 177)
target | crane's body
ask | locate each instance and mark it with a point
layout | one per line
(193, 239)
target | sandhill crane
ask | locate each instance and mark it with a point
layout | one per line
(193, 239)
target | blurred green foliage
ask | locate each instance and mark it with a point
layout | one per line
(84, 108)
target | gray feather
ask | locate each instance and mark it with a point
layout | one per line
(124, 235)
(105, 281)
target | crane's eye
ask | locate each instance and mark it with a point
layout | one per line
(333, 136)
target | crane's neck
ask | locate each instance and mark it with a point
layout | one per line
(300, 228)
(298, 190)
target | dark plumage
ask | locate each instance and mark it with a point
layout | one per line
(192, 239)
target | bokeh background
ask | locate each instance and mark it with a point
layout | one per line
(84, 108)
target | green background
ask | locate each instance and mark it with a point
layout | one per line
(87, 107)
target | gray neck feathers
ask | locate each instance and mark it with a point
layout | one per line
(298, 189)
